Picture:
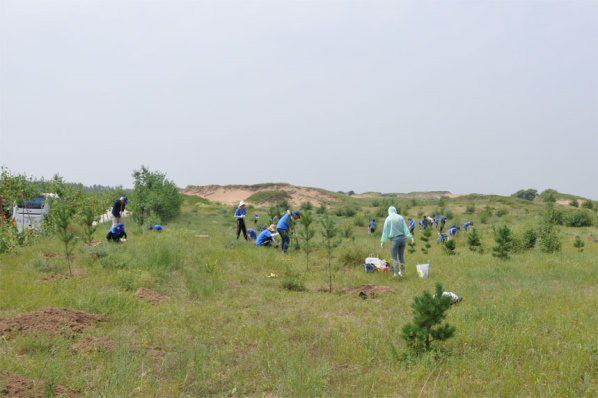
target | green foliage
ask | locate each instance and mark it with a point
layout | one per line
(358, 222)
(579, 218)
(307, 206)
(474, 241)
(284, 204)
(411, 249)
(470, 209)
(330, 242)
(526, 241)
(62, 228)
(448, 213)
(154, 195)
(306, 233)
(504, 243)
(527, 194)
(485, 214)
(322, 209)
(574, 203)
(501, 212)
(352, 256)
(429, 311)
(274, 213)
(587, 204)
(578, 244)
(347, 211)
(449, 247)
(549, 239)
(552, 215)
(346, 231)
(442, 201)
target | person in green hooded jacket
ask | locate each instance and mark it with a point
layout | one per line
(397, 231)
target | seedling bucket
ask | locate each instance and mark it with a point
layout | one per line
(422, 270)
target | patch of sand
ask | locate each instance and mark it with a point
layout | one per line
(16, 386)
(91, 344)
(150, 295)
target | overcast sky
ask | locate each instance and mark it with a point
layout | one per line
(390, 96)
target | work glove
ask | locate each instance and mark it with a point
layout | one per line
(412, 241)
(382, 245)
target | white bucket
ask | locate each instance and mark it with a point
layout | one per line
(422, 270)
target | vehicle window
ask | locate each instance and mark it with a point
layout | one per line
(33, 203)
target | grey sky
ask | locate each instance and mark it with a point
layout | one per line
(397, 96)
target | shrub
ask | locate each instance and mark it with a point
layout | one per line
(470, 209)
(154, 195)
(322, 209)
(359, 222)
(352, 256)
(587, 204)
(578, 218)
(307, 206)
(552, 215)
(448, 213)
(428, 313)
(574, 203)
(501, 212)
(485, 214)
(346, 231)
(549, 195)
(293, 282)
(526, 241)
(426, 239)
(549, 239)
(504, 243)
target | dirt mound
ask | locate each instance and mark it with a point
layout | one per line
(90, 344)
(233, 194)
(51, 320)
(150, 295)
(368, 289)
(15, 386)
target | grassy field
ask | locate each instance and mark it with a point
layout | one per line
(527, 326)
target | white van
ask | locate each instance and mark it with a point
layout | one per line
(31, 213)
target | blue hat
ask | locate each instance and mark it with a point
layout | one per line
(125, 199)
(150, 227)
(158, 227)
(120, 225)
(262, 228)
(298, 213)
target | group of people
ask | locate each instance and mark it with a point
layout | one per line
(117, 232)
(266, 235)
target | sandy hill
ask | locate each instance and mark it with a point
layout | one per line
(261, 194)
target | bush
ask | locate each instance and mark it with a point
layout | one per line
(322, 209)
(527, 194)
(501, 212)
(449, 247)
(293, 282)
(470, 209)
(578, 218)
(549, 195)
(578, 244)
(474, 241)
(587, 204)
(485, 214)
(526, 241)
(345, 212)
(346, 231)
(307, 206)
(154, 195)
(359, 222)
(448, 213)
(552, 215)
(574, 203)
(352, 256)
(504, 243)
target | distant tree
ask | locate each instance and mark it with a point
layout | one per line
(351, 193)
(549, 195)
(306, 206)
(62, 228)
(578, 218)
(587, 204)
(527, 194)
(549, 239)
(574, 203)
(154, 195)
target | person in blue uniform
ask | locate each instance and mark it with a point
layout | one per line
(372, 227)
(252, 234)
(240, 214)
(284, 225)
(266, 237)
(116, 233)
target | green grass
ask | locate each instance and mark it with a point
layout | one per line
(527, 327)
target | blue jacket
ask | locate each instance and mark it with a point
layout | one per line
(372, 225)
(117, 208)
(252, 234)
(285, 221)
(264, 236)
(239, 213)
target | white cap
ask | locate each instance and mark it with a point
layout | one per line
(242, 204)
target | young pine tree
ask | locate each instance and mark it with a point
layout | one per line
(474, 241)
(426, 239)
(449, 247)
(504, 243)
(62, 218)
(329, 233)
(89, 218)
(578, 244)
(307, 233)
(428, 313)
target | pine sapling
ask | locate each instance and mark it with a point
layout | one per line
(449, 247)
(504, 243)
(428, 313)
(62, 227)
(411, 249)
(329, 233)
(474, 241)
(89, 220)
(307, 233)
(578, 244)
(426, 239)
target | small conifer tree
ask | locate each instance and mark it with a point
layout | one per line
(428, 313)
(62, 227)
(449, 247)
(89, 219)
(329, 233)
(549, 239)
(504, 243)
(578, 244)
(411, 247)
(474, 241)
(426, 239)
(307, 233)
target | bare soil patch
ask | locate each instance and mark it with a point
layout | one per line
(368, 289)
(49, 255)
(150, 295)
(15, 386)
(51, 320)
(91, 344)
